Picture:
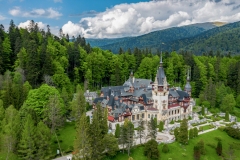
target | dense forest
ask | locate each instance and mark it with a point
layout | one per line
(40, 72)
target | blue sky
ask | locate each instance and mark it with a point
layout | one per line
(116, 18)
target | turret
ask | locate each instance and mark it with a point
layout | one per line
(131, 77)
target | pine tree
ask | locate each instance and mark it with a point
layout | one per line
(219, 148)
(183, 132)
(43, 141)
(27, 145)
(82, 142)
(117, 131)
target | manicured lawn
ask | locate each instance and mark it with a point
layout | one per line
(207, 127)
(179, 152)
(66, 136)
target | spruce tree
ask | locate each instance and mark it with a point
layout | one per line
(165, 148)
(129, 134)
(122, 137)
(161, 126)
(82, 145)
(10, 132)
(151, 150)
(27, 145)
(219, 148)
(191, 134)
(110, 144)
(78, 104)
(196, 153)
(195, 132)
(98, 129)
(176, 133)
(203, 110)
(43, 141)
(183, 132)
(117, 131)
(200, 144)
(152, 128)
(140, 130)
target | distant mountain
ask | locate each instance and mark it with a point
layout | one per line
(105, 41)
(225, 39)
(152, 39)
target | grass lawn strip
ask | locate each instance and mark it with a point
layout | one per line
(180, 152)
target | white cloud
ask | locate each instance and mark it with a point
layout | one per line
(2, 17)
(48, 13)
(143, 17)
(41, 25)
(57, 1)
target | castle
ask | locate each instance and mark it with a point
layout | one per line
(142, 99)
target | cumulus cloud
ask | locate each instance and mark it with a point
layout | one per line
(143, 17)
(48, 13)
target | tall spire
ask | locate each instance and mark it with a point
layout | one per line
(161, 60)
(188, 76)
(131, 74)
(188, 87)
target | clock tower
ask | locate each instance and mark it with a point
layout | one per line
(160, 91)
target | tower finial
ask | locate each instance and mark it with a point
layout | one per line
(161, 60)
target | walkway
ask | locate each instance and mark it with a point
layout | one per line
(63, 158)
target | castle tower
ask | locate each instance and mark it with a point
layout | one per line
(160, 90)
(188, 87)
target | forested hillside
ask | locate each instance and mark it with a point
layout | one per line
(224, 39)
(155, 38)
(39, 74)
(194, 38)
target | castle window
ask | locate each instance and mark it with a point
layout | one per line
(133, 117)
(143, 115)
(148, 115)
